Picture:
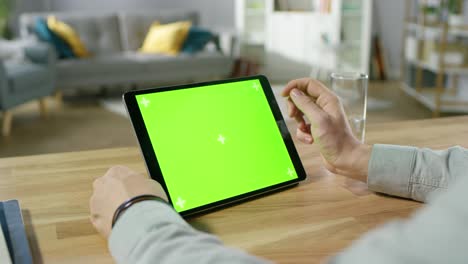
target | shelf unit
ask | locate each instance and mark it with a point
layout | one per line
(444, 94)
(355, 22)
(322, 41)
(250, 18)
(291, 38)
(427, 97)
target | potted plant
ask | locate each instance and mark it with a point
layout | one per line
(455, 8)
(431, 12)
(5, 8)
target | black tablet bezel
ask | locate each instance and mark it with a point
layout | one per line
(151, 160)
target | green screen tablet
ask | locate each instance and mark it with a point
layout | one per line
(212, 144)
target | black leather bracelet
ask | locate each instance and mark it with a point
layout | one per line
(124, 206)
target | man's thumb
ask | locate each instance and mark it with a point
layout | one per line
(305, 104)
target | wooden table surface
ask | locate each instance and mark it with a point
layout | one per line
(300, 225)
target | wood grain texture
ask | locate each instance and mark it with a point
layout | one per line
(6, 123)
(59, 97)
(43, 107)
(304, 224)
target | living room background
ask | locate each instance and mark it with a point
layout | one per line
(74, 78)
(221, 17)
(388, 16)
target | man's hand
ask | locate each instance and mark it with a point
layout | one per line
(114, 188)
(329, 127)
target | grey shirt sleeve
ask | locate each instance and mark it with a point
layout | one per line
(152, 232)
(435, 234)
(415, 173)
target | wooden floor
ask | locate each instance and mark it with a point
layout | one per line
(82, 124)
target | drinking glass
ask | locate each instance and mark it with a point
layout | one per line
(351, 88)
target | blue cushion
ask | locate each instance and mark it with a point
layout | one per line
(196, 40)
(45, 34)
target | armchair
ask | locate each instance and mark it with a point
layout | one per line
(21, 82)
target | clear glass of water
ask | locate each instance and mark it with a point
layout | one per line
(352, 89)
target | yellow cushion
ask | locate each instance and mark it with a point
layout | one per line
(68, 34)
(166, 39)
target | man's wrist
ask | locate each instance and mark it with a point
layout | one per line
(363, 157)
(127, 204)
(358, 167)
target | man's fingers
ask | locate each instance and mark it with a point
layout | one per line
(306, 105)
(97, 182)
(300, 84)
(292, 109)
(92, 204)
(304, 137)
(301, 123)
(309, 86)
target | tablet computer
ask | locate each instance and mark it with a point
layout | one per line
(215, 143)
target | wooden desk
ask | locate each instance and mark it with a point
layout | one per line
(302, 224)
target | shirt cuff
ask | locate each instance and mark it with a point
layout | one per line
(390, 169)
(135, 222)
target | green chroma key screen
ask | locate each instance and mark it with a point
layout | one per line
(215, 142)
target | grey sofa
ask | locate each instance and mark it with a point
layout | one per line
(114, 39)
(21, 82)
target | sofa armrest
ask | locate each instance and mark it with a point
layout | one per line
(44, 54)
(40, 53)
